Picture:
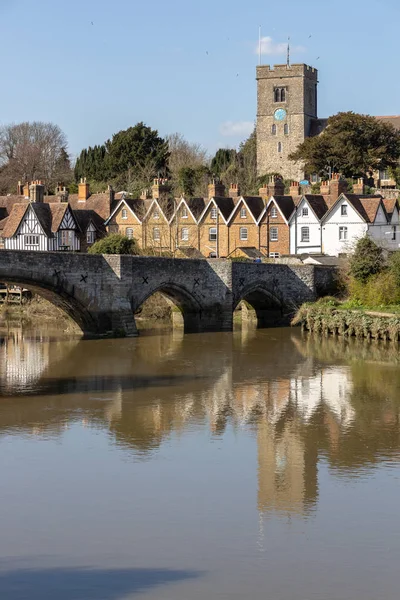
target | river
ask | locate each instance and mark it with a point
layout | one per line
(258, 465)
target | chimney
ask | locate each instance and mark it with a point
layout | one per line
(160, 189)
(276, 186)
(216, 190)
(359, 188)
(263, 192)
(83, 190)
(36, 191)
(20, 189)
(145, 195)
(294, 189)
(325, 188)
(26, 190)
(234, 190)
(338, 186)
(111, 194)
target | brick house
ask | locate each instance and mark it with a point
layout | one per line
(274, 226)
(214, 228)
(127, 219)
(157, 233)
(243, 230)
(184, 225)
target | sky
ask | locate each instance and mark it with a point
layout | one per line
(95, 67)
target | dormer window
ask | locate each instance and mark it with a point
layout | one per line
(124, 213)
(156, 214)
(213, 213)
(280, 94)
(243, 213)
(274, 213)
(343, 210)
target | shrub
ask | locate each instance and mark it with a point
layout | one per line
(367, 260)
(394, 266)
(115, 243)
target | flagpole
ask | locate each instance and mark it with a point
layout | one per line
(259, 45)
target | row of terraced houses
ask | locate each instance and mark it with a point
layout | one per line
(273, 224)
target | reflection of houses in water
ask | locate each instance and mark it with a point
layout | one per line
(22, 360)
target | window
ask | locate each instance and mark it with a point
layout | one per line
(212, 234)
(343, 210)
(286, 129)
(124, 213)
(394, 232)
(274, 255)
(342, 233)
(384, 174)
(90, 237)
(184, 213)
(184, 234)
(273, 129)
(273, 234)
(279, 147)
(305, 234)
(304, 212)
(243, 234)
(280, 95)
(274, 212)
(314, 178)
(213, 213)
(129, 233)
(156, 214)
(31, 240)
(66, 237)
(156, 233)
(243, 213)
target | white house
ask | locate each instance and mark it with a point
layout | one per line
(351, 218)
(41, 226)
(305, 225)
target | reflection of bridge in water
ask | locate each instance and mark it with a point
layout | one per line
(300, 401)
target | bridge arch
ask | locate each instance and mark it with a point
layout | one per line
(267, 308)
(188, 310)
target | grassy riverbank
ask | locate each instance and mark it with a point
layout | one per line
(329, 317)
(41, 311)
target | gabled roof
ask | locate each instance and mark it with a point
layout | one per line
(167, 211)
(49, 216)
(224, 205)
(285, 205)
(100, 203)
(254, 204)
(319, 204)
(57, 214)
(390, 204)
(366, 206)
(187, 204)
(7, 202)
(85, 217)
(14, 219)
(137, 207)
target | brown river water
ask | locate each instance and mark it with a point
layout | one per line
(255, 465)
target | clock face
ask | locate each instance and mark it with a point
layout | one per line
(280, 114)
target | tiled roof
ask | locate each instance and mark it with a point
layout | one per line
(256, 205)
(366, 206)
(57, 211)
(3, 223)
(225, 206)
(251, 252)
(97, 202)
(318, 204)
(286, 205)
(7, 202)
(14, 219)
(389, 204)
(196, 206)
(84, 217)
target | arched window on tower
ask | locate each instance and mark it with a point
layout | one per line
(280, 95)
(279, 147)
(283, 95)
(273, 129)
(286, 129)
(277, 94)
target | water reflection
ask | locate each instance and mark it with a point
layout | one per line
(303, 398)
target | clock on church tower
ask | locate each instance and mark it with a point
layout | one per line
(280, 114)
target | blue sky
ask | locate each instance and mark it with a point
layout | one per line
(96, 66)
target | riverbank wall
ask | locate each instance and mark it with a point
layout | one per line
(332, 320)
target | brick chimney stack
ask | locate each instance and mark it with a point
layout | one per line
(337, 186)
(276, 187)
(234, 191)
(145, 195)
(325, 188)
(20, 189)
(359, 187)
(83, 190)
(25, 190)
(216, 190)
(160, 189)
(263, 192)
(36, 191)
(294, 189)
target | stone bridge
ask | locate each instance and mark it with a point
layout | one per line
(102, 292)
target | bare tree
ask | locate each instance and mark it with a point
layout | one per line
(184, 154)
(36, 150)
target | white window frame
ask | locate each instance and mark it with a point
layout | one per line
(305, 235)
(156, 213)
(90, 237)
(156, 234)
(343, 210)
(212, 234)
(129, 233)
(31, 240)
(213, 213)
(304, 211)
(273, 234)
(184, 213)
(274, 255)
(244, 234)
(343, 233)
(124, 213)
(243, 213)
(274, 212)
(185, 234)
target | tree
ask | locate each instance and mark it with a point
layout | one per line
(183, 154)
(351, 144)
(366, 260)
(115, 243)
(223, 159)
(30, 151)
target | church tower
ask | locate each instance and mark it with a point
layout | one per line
(286, 115)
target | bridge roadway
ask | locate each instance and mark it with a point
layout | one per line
(103, 292)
